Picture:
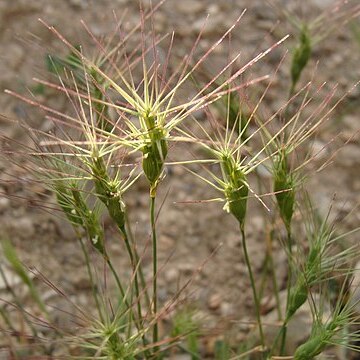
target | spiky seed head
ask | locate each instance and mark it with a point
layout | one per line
(65, 200)
(314, 346)
(237, 202)
(236, 190)
(95, 233)
(153, 159)
(284, 184)
(301, 56)
(314, 267)
(297, 297)
(108, 191)
(154, 154)
(116, 210)
(90, 223)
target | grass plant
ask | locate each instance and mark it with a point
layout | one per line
(125, 115)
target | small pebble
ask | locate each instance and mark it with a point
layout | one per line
(214, 302)
(171, 275)
(25, 227)
(4, 204)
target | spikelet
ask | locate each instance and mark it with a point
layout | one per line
(235, 190)
(108, 191)
(91, 223)
(154, 154)
(300, 57)
(284, 188)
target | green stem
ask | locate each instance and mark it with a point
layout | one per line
(131, 314)
(7, 319)
(279, 335)
(18, 303)
(265, 266)
(154, 254)
(130, 236)
(273, 272)
(283, 329)
(252, 281)
(118, 283)
(123, 299)
(93, 286)
(134, 263)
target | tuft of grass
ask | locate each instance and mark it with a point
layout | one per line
(13, 259)
(184, 325)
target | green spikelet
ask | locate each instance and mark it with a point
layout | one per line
(66, 201)
(236, 191)
(284, 189)
(90, 223)
(330, 332)
(319, 338)
(313, 265)
(309, 276)
(311, 348)
(298, 296)
(108, 192)
(154, 153)
(116, 207)
(301, 56)
(76, 210)
(96, 234)
(153, 159)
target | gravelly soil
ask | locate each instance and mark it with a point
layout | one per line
(189, 233)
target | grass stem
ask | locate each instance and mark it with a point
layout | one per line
(134, 266)
(154, 248)
(130, 236)
(273, 273)
(289, 281)
(253, 286)
(117, 279)
(134, 259)
(91, 278)
(17, 302)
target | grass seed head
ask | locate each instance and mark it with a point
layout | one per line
(314, 346)
(236, 191)
(284, 184)
(91, 223)
(297, 297)
(301, 56)
(109, 192)
(154, 155)
(330, 331)
(66, 202)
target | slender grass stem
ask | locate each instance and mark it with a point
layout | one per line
(134, 266)
(265, 266)
(253, 286)
(139, 325)
(134, 263)
(137, 260)
(117, 279)
(91, 278)
(273, 274)
(269, 271)
(283, 329)
(18, 302)
(154, 248)
(6, 319)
